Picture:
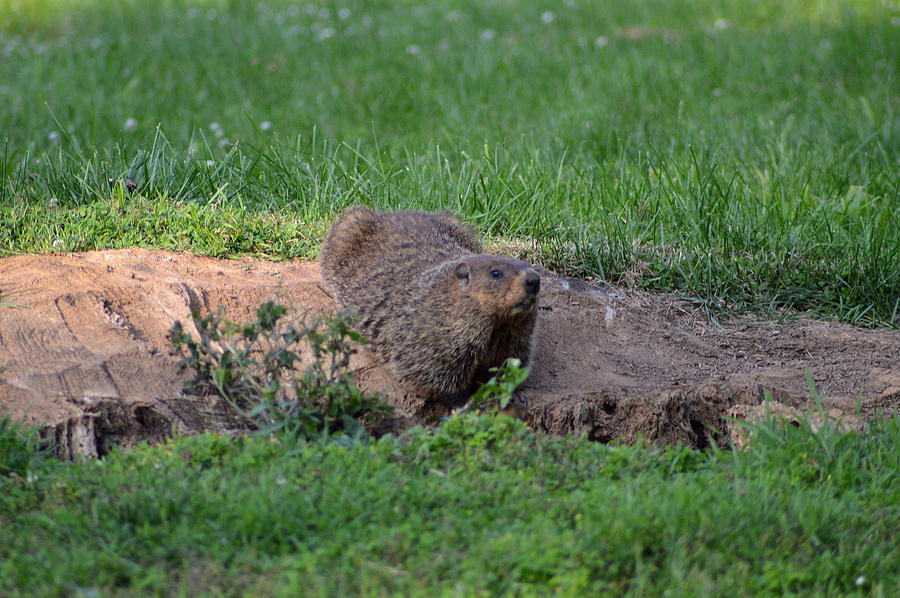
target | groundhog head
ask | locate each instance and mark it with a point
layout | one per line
(504, 286)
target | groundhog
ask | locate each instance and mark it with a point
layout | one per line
(432, 306)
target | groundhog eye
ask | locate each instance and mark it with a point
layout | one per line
(496, 273)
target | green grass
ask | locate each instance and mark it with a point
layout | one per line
(744, 154)
(21, 450)
(478, 506)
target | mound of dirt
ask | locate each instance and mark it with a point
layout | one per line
(84, 353)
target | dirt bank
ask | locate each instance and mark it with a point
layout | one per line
(83, 350)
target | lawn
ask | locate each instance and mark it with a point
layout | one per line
(478, 506)
(743, 154)
(746, 154)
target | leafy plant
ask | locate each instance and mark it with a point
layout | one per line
(21, 449)
(498, 390)
(256, 367)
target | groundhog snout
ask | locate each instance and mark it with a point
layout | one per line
(532, 282)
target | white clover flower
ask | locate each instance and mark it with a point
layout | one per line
(54, 201)
(293, 11)
(601, 41)
(57, 243)
(53, 136)
(860, 580)
(548, 17)
(721, 24)
(130, 125)
(717, 92)
(324, 13)
(367, 21)
(344, 14)
(413, 50)
(325, 34)
(210, 163)
(453, 15)
(223, 143)
(488, 34)
(310, 9)
(265, 125)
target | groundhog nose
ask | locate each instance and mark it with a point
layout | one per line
(532, 283)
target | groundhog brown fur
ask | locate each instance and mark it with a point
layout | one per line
(432, 306)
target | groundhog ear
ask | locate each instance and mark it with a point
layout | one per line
(462, 272)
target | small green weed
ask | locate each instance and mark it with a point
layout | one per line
(21, 450)
(498, 390)
(255, 368)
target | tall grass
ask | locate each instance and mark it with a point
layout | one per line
(745, 155)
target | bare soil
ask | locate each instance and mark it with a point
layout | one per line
(84, 353)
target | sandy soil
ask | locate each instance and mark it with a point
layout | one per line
(83, 352)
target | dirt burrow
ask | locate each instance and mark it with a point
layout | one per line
(84, 353)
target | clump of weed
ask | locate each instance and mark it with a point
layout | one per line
(256, 368)
(497, 393)
(21, 449)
